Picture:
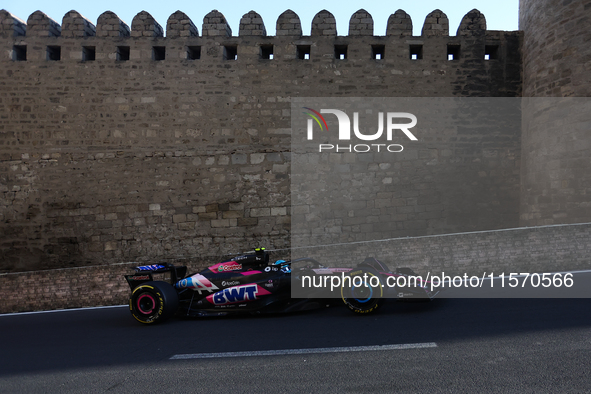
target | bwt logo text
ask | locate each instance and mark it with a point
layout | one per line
(345, 130)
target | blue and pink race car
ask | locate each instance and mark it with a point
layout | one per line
(250, 284)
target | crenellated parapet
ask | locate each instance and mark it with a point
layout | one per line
(43, 39)
(361, 23)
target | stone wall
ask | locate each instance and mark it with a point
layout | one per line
(556, 152)
(140, 143)
(65, 288)
(532, 250)
(540, 249)
(462, 171)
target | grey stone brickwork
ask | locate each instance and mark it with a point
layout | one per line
(461, 171)
(556, 248)
(556, 160)
(121, 143)
(138, 144)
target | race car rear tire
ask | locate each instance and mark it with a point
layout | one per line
(153, 302)
(364, 293)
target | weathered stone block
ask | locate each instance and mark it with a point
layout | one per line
(260, 212)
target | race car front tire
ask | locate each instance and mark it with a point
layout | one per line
(364, 292)
(153, 302)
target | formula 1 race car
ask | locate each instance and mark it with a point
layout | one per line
(249, 284)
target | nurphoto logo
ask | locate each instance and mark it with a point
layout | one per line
(392, 120)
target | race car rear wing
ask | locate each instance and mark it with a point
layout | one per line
(145, 273)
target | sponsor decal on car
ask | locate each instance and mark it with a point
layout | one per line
(226, 267)
(234, 295)
(230, 267)
(143, 277)
(196, 282)
(286, 269)
(256, 258)
(269, 283)
(230, 283)
(153, 267)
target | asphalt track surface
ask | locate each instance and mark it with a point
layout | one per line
(465, 345)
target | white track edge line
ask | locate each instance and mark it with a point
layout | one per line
(63, 310)
(285, 352)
